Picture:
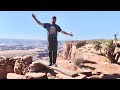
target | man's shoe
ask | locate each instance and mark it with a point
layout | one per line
(55, 65)
(50, 64)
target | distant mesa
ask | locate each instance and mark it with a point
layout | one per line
(23, 44)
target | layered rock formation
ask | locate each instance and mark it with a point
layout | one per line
(85, 49)
(6, 66)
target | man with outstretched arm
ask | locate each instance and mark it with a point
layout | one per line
(52, 29)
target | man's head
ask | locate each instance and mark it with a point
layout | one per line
(53, 19)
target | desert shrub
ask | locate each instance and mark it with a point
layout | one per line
(97, 45)
(80, 43)
(109, 45)
(96, 41)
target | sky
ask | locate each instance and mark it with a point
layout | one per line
(84, 25)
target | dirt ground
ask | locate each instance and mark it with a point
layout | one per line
(108, 71)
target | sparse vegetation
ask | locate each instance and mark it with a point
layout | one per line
(109, 43)
(97, 45)
(81, 43)
(110, 47)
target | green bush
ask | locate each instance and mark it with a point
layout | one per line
(109, 45)
(97, 45)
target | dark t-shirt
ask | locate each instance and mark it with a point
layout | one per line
(52, 31)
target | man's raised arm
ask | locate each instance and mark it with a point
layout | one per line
(66, 33)
(33, 15)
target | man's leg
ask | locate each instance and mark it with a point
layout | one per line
(55, 52)
(50, 54)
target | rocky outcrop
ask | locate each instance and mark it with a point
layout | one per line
(22, 64)
(6, 66)
(69, 49)
(86, 49)
(66, 50)
(18, 65)
(97, 58)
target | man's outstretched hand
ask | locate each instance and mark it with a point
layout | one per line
(71, 34)
(33, 15)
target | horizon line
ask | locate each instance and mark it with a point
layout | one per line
(58, 40)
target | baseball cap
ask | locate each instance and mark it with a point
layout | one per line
(54, 17)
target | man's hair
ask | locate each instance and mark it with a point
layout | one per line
(54, 17)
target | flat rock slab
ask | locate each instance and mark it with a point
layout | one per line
(15, 76)
(35, 75)
(61, 70)
(62, 76)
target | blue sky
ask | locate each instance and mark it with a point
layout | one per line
(83, 24)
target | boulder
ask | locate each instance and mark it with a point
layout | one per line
(36, 67)
(35, 75)
(18, 67)
(97, 58)
(22, 64)
(27, 59)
